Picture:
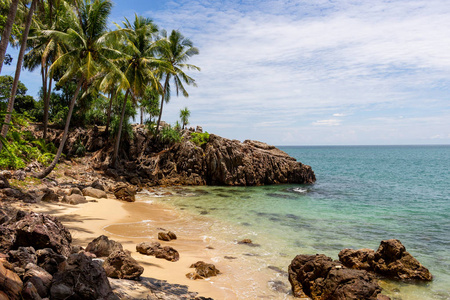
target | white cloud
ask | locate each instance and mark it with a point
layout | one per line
(329, 122)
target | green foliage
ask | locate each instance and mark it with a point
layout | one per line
(199, 138)
(184, 116)
(22, 148)
(80, 150)
(169, 135)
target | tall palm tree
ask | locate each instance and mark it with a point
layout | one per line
(176, 52)
(7, 30)
(88, 57)
(46, 48)
(184, 116)
(139, 65)
(23, 46)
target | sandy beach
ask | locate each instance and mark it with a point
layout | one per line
(120, 221)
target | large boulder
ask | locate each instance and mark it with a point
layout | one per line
(120, 264)
(125, 192)
(321, 278)
(168, 253)
(390, 260)
(74, 199)
(81, 278)
(95, 193)
(103, 246)
(41, 231)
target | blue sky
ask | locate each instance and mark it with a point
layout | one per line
(314, 72)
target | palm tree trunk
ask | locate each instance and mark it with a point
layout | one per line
(47, 107)
(142, 115)
(119, 132)
(65, 134)
(108, 119)
(23, 46)
(7, 31)
(162, 104)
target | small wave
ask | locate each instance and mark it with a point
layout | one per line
(299, 190)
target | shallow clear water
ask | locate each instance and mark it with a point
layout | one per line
(363, 194)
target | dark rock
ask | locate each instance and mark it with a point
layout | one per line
(103, 246)
(166, 236)
(319, 277)
(97, 185)
(168, 253)
(112, 173)
(202, 270)
(30, 292)
(81, 278)
(22, 256)
(10, 283)
(49, 260)
(49, 195)
(392, 260)
(248, 242)
(7, 238)
(42, 231)
(120, 264)
(95, 193)
(4, 183)
(125, 192)
(75, 191)
(40, 279)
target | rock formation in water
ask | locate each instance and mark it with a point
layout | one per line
(390, 260)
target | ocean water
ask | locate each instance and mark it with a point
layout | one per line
(363, 194)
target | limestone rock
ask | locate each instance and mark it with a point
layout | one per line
(125, 192)
(120, 264)
(166, 236)
(95, 193)
(74, 199)
(168, 253)
(319, 277)
(103, 246)
(81, 278)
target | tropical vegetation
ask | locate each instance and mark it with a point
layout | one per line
(91, 74)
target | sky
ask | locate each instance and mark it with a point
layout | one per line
(311, 72)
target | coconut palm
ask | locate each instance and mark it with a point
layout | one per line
(88, 56)
(184, 116)
(176, 52)
(140, 64)
(18, 69)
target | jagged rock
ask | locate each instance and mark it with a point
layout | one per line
(319, 277)
(390, 260)
(10, 283)
(357, 259)
(166, 236)
(202, 270)
(91, 192)
(7, 238)
(125, 192)
(120, 264)
(41, 231)
(103, 246)
(49, 260)
(74, 199)
(81, 278)
(40, 279)
(22, 256)
(29, 292)
(168, 253)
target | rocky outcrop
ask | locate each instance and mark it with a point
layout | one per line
(120, 264)
(168, 253)
(202, 270)
(81, 278)
(390, 260)
(321, 278)
(103, 246)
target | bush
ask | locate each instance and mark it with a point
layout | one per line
(169, 135)
(199, 138)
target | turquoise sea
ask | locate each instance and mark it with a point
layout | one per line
(363, 194)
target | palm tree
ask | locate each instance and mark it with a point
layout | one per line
(176, 52)
(184, 116)
(7, 30)
(139, 65)
(23, 46)
(88, 56)
(46, 49)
